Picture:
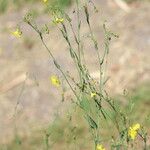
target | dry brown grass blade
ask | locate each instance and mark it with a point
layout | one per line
(123, 5)
(13, 83)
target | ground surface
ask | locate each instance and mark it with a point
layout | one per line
(128, 64)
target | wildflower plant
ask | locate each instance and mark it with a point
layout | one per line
(100, 147)
(133, 131)
(17, 33)
(89, 95)
(55, 81)
(45, 1)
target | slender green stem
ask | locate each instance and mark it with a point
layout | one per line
(54, 60)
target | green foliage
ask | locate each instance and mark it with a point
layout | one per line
(106, 119)
(132, 1)
(91, 96)
(61, 3)
(33, 142)
(141, 101)
(64, 132)
(3, 5)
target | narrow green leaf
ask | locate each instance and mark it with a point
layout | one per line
(91, 122)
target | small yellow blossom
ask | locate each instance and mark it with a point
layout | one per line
(17, 33)
(100, 147)
(133, 130)
(93, 94)
(58, 20)
(136, 126)
(45, 1)
(55, 80)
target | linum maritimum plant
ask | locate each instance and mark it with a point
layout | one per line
(90, 96)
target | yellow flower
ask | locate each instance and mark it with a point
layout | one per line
(58, 20)
(100, 147)
(55, 80)
(136, 126)
(45, 1)
(93, 94)
(133, 130)
(17, 33)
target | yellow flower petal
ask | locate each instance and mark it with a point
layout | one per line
(93, 94)
(136, 126)
(58, 20)
(132, 133)
(45, 1)
(100, 147)
(55, 81)
(133, 130)
(17, 33)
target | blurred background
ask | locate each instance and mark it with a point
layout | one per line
(25, 66)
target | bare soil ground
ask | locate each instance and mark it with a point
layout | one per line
(128, 63)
